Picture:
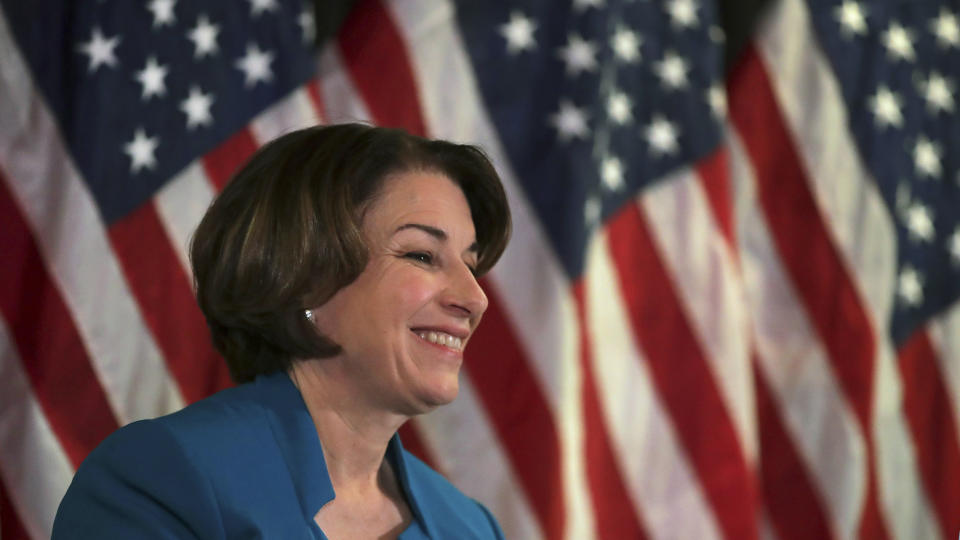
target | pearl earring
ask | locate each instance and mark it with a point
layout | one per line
(308, 314)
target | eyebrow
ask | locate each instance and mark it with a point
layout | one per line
(432, 231)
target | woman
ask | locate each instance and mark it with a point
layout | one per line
(338, 274)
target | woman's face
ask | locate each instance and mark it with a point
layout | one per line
(403, 323)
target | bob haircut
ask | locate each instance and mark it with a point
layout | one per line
(285, 234)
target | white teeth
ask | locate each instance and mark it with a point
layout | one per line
(441, 338)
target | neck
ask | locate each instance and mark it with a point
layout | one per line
(353, 432)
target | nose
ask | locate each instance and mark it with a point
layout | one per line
(464, 294)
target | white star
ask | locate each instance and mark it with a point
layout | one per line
(885, 106)
(938, 91)
(852, 18)
(683, 13)
(570, 122)
(611, 172)
(626, 45)
(902, 200)
(151, 77)
(919, 222)
(662, 136)
(946, 28)
(955, 245)
(519, 33)
(255, 65)
(197, 108)
(619, 108)
(581, 5)
(672, 71)
(926, 157)
(579, 55)
(717, 99)
(899, 42)
(162, 12)
(257, 7)
(910, 286)
(307, 25)
(100, 50)
(591, 210)
(141, 150)
(717, 34)
(204, 37)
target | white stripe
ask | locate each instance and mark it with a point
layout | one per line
(34, 467)
(340, 97)
(181, 205)
(861, 228)
(293, 112)
(653, 463)
(529, 279)
(71, 239)
(469, 453)
(710, 291)
(795, 366)
(945, 338)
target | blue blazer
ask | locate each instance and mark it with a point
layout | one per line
(244, 463)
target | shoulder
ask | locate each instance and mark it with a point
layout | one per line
(453, 513)
(229, 415)
(168, 475)
(141, 464)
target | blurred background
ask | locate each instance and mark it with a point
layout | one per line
(729, 308)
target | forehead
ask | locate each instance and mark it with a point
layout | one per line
(428, 198)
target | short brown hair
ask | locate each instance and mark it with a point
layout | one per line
(285, 234)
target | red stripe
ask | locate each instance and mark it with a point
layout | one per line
(316, 97)
(413, 443)
(812, 261)
(519, 414)
(166, 301)
(681, 375)
(224, 160)
(795, 508)
(714, 175)
(374, 52)
(11, 528)
(934, 429)
(614, 515)
(52, 353)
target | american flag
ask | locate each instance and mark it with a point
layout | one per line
(729, 308)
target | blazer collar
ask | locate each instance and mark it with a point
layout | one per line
(411, 488)
(297, 440)
(300, 447)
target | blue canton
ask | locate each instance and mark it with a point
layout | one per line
(141, 89)
(898, 64)
(596, 99)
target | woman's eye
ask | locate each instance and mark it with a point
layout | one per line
(420, 256)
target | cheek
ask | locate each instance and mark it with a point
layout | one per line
(409, 293)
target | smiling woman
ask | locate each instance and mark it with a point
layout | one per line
(403, 322)
(338, 274)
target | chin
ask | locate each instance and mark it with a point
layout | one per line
(438, 396)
